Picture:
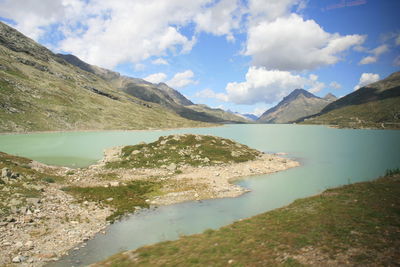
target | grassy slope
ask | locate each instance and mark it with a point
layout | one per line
(189, 149)
(354, 225)
(377, 114)
(39, 95)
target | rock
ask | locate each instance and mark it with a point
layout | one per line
(114, 184)
(18, 245)
(109, 199)
(29, 244)
(33, 201)
(6, 172)
(135, 152)
(18, 259)
(172, 167)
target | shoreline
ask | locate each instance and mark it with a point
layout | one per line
(111, 130)
(47, 234)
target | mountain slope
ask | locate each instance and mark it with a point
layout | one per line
(375, 105)
(160, 93)
(299, 103)
(42, 91)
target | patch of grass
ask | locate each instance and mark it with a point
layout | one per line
(188, 149)
(358, 223)
(123, 198)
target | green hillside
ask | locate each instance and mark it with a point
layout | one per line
(39, 91)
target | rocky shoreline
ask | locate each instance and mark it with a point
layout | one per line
(45, 228)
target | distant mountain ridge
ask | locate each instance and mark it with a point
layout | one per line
(299, 103)
(160, 93)
(42, 91)
(376, 105)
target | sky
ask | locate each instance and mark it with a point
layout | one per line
(241, 55)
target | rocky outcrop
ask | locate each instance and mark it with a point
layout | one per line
(299, 103)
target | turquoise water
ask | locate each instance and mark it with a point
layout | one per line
(329, 158)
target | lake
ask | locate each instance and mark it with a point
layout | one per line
(329, 157)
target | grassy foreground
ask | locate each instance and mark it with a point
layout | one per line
(356, 224)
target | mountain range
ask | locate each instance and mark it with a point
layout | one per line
(43, 91)
(376, 105)
(299, 103)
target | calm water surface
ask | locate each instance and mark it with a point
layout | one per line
(329, 157)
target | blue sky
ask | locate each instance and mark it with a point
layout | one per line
(242, 55)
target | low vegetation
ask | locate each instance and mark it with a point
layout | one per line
(123, 199)
(355, 224)
(384, 113)
(19, 181)
(179, 150)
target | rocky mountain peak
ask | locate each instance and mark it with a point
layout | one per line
(330, 97)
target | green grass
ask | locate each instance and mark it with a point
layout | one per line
(358, 223)
(123, 199)
(368, 115)
(203, 151)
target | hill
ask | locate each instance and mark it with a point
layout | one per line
(299, 103)
(41, 91)
(160, 94)
(376, 105)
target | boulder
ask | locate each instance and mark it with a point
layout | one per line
(18, 259)
(172, 167)
(6, 172)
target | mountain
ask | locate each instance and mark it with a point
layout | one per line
(42, 91)
(299, 103)
(251, 117)
(160, 94)
(374, 106)
(330, 97)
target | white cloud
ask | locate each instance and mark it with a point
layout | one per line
(261, 10)
(156, 77)
(335, 85)
(259, 111)
(107, 33)
(368, 60)
(182, 79)
(220, 19)
(159, 61)
(292, 43)
(208, 93)
(30, 16)
(375, 53)
(367, 78)
(316, 87)
(268, 86)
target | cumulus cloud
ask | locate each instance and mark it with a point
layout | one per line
(182, 79)
(368, 60)
(335, 85)
(375, 53)
(156, 77)
(367, 78)
(268, 86)
(220, 19)
(208, 93)
(261, 10)
(292, 43)
(159, 61)
(31, 17)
